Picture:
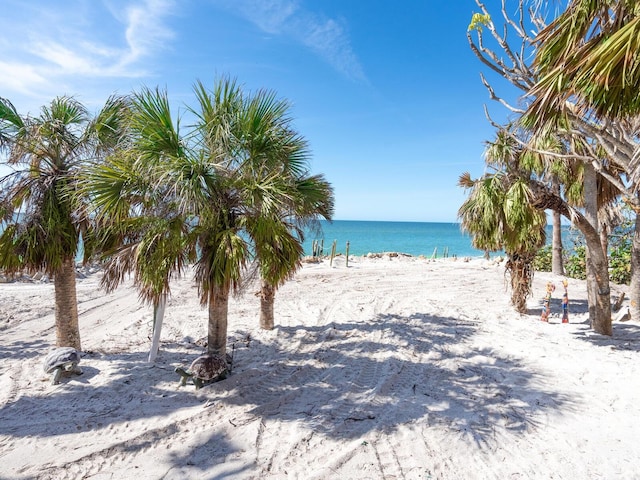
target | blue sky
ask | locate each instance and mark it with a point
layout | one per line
(387, 93)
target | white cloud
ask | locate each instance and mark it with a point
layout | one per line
(145, 31)
(326, 37)
(71, 42)
(269, 15)
(20, 78)
(329, 40)
(64, 60)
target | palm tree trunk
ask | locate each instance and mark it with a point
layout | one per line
(557, 264)
(634, 287)
(267, 299)
(598, 291)
(158, 316)
(590, 194)
(66, 311)
(598, 269)
(218, 312)
(600, 312)
(520, 269)
(597, 264)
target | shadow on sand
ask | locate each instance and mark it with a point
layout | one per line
(626, 336)
(339, 380)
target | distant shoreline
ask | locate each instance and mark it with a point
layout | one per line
(412, 238)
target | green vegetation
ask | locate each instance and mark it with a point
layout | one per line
(227, 193)
(621, 250)
(576, 264)
(574, 126)
(542, 261)
(44, 210)
(620, 264)
(231, 195)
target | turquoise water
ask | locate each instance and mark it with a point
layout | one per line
(414, 238)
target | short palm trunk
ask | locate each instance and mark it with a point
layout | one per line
(267, 299)
(66, 311)
(218, 312)
(521, 271)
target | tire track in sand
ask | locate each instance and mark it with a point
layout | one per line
(125, 449)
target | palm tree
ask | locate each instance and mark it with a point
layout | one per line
(143, 230)
(44, 214)
(274, 196)
(589, 67)
(553, 105)
(590, 51)
(138, 232)
(508, 229)
(230, 184)
(499, 215)
(279, 248)
(283, 197)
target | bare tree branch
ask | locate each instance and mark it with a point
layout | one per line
(493, 96)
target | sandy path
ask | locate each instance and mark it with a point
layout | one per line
(394, 368)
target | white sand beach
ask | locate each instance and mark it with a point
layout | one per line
(392, 368)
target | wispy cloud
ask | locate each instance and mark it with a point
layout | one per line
(146, 31)
(19, 77)
(76, 41)
(326, 37)
(269, 15)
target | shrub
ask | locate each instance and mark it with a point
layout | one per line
(621, 241)
(576, 264)
(620, 263)
(542, 260)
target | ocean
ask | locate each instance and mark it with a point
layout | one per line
(413, 238)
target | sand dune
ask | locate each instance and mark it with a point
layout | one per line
(393, 368)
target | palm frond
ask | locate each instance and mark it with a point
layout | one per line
(49, 154)
(156, 134)
(590, 52)
(224, 255)
(465, 180)
(10, 122)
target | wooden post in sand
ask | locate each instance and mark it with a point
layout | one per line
(347, 263)
(435, 253)
(333, 252)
